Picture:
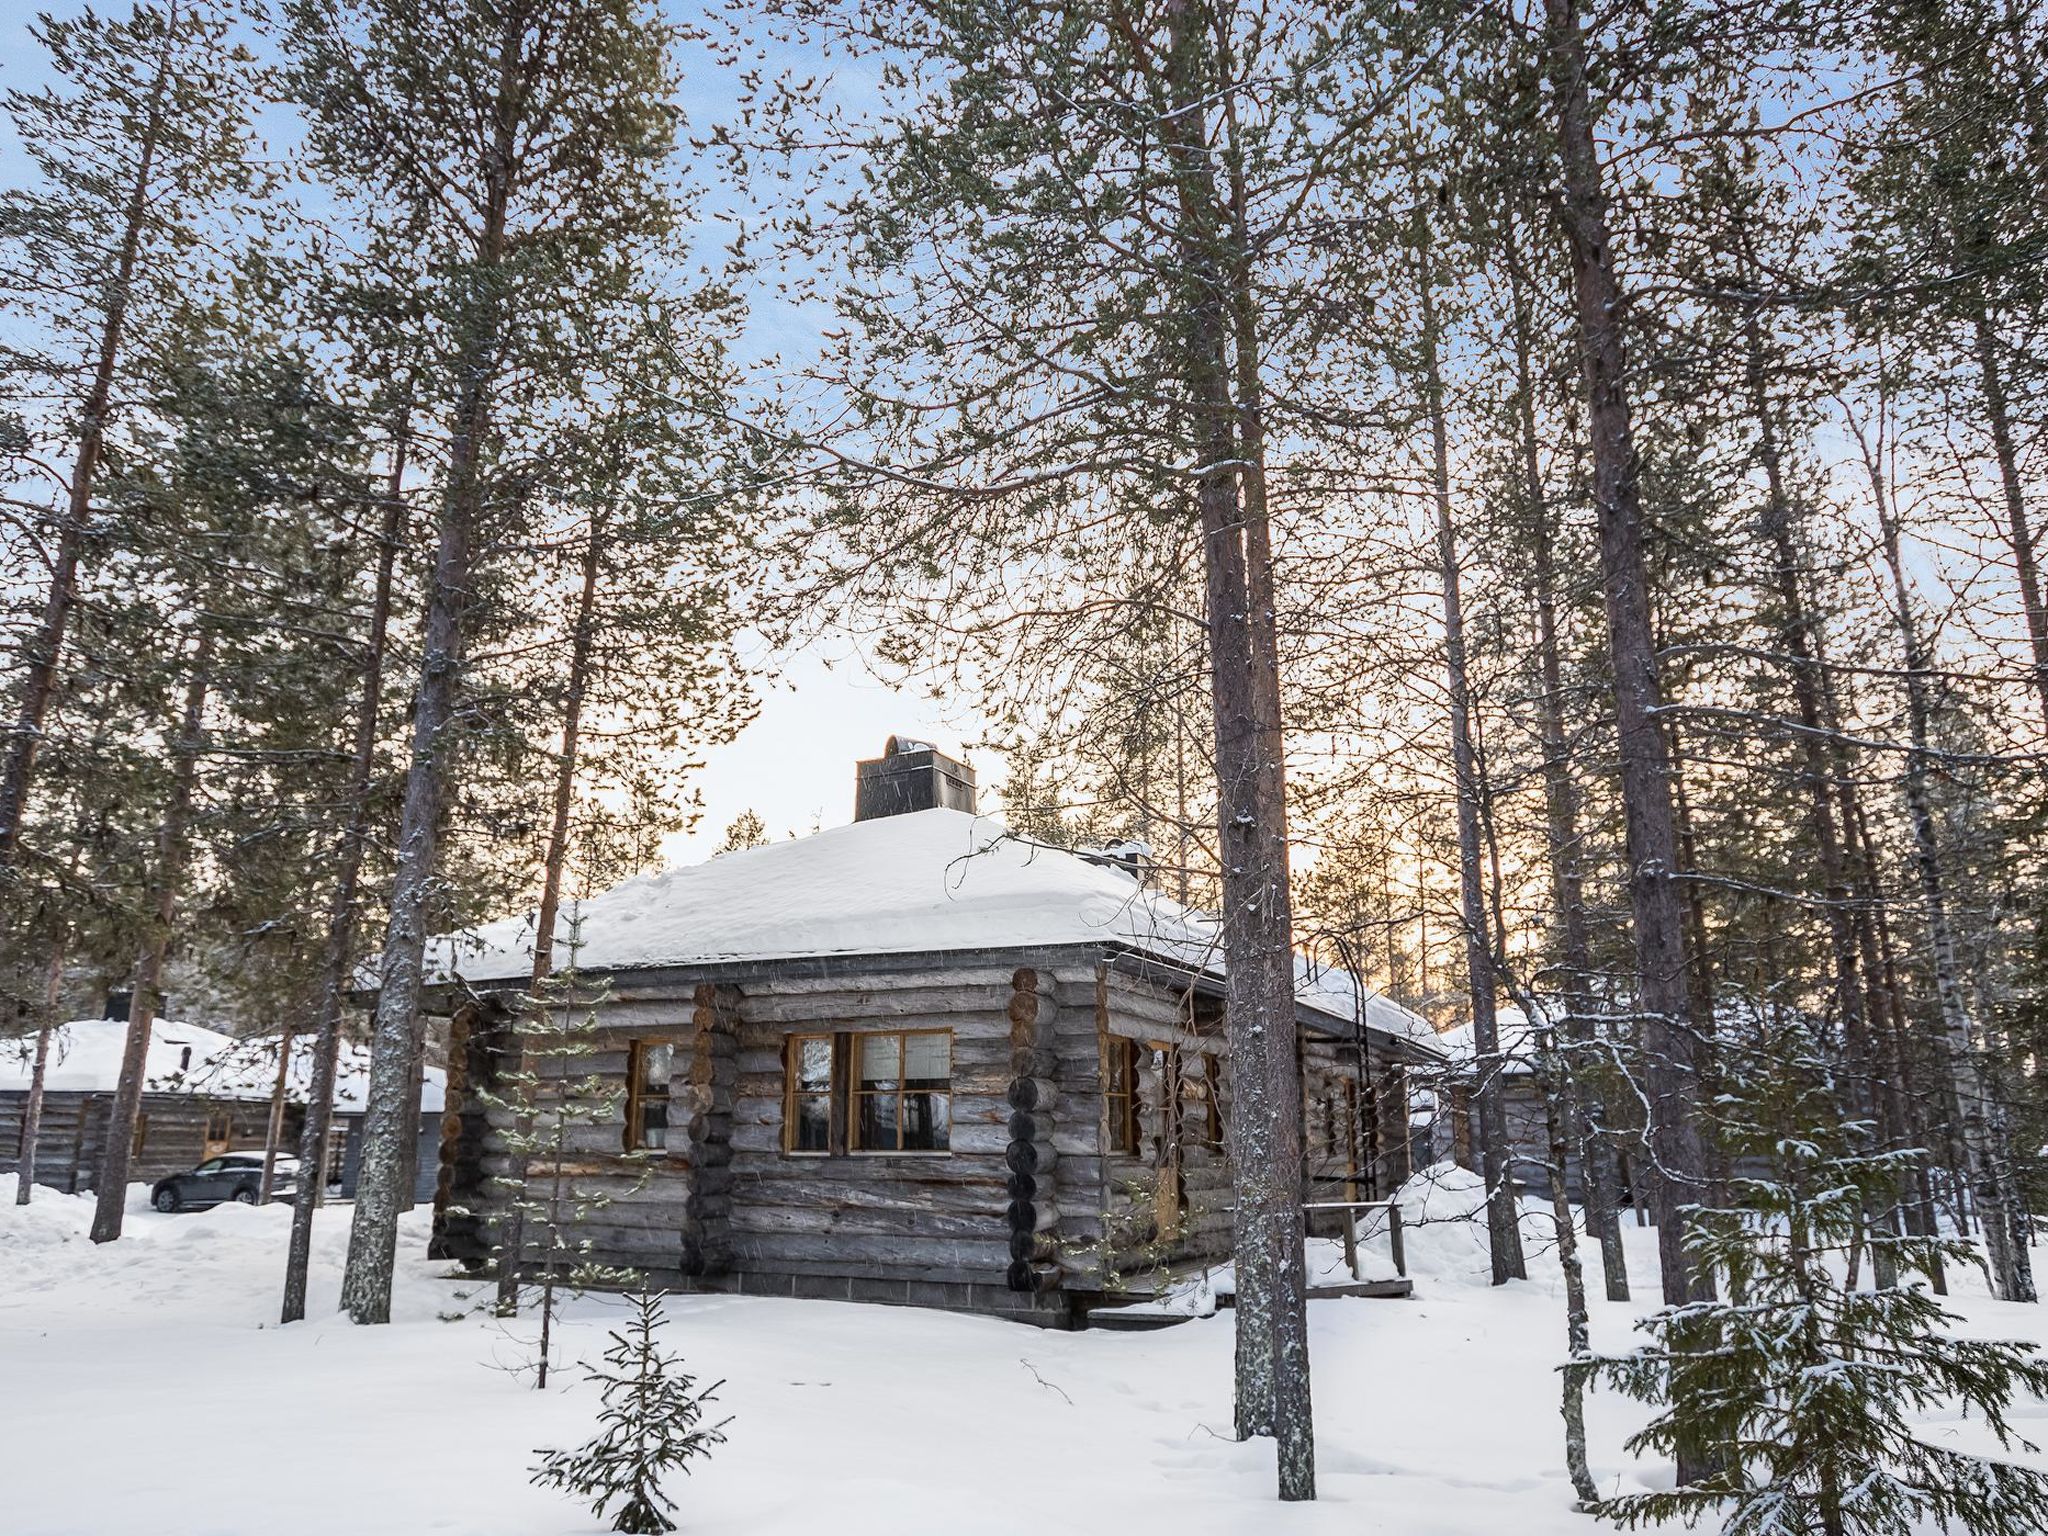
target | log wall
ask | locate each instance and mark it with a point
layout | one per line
(1028, 1210)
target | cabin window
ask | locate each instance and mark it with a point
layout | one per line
(1207, 1092)
(887, 1091)
(807, 1117)
(903, 1092)
(648, 1064)
(220, 1129)
(1120, 1092)
(141, 1135)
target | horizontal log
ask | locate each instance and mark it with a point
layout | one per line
(830, 1223)
(1032, 1215)
(1035, 1157)
(1033, 1093)
(849, 1249)
(1032, 1279)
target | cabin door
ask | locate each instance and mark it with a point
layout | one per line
(220, 1133)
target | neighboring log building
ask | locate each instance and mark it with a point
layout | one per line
(204, 1093)
(915, 1060)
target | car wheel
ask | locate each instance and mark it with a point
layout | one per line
(165, 1200)
(246, 1195)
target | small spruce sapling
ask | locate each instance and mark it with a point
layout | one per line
(1809, 1387)
(651, 1426)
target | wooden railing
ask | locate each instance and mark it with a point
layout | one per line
(1393, 1210)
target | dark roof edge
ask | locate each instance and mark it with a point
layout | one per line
(660, 980)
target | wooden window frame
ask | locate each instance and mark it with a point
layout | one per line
(1120, 1094)
(1212, 1102)
(835, 1077)
(634, 1134)
(855, 1093)
(844, 1093)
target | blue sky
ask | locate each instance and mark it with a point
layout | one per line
(822, 708)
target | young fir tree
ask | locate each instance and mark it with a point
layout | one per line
(652, 1425)
(559, 1111)
(1809, 1386)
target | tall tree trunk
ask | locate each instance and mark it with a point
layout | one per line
(1670, 1051)
(1819, 756)
(2019, 532)
(395, 1039)
(32, 1110)
(1578, 1330)
(1597, 1169)
(110, 1187)
(273, 1124)
(45, 647)
(1272, 1370)
(1489, 1115)
(337, 960)
(582, 639)
(2005, 1234)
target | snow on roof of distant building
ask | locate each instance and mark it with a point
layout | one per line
(85, 1057)
(1516, 1037)
(933, 880)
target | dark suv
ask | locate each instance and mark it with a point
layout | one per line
(231, 1176)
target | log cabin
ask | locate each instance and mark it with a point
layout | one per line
(915, 1059)
(204, 1093)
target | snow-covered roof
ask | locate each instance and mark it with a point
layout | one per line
(1516, 1043)
(85, 1057)
(931, 880)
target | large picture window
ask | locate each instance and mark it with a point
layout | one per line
(873, 1092)
(648, 1065)
(903, 1092)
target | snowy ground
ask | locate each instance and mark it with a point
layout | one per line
(145, 1390)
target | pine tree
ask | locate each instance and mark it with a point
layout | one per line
(142, 144)
(1808, 1385)
(652, 1426)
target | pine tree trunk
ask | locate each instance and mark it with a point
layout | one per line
(1597, 1167)
(1578, 1326)
(582, 640)
(110, 1186)
(1998, 416)
(1489, 1115)
(1997, 1197)
(1818, 758)
(395, 1037)
(32, 1109)
(273, 1125)
(341, 911)
(44, 649)
(1272, 1366)
(1671, 1061)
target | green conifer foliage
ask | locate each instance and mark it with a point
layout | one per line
(1815, 1391)
(651, 1425)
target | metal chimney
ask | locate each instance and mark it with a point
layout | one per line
(911, 776)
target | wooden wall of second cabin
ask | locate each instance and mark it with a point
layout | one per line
(171, 1134)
